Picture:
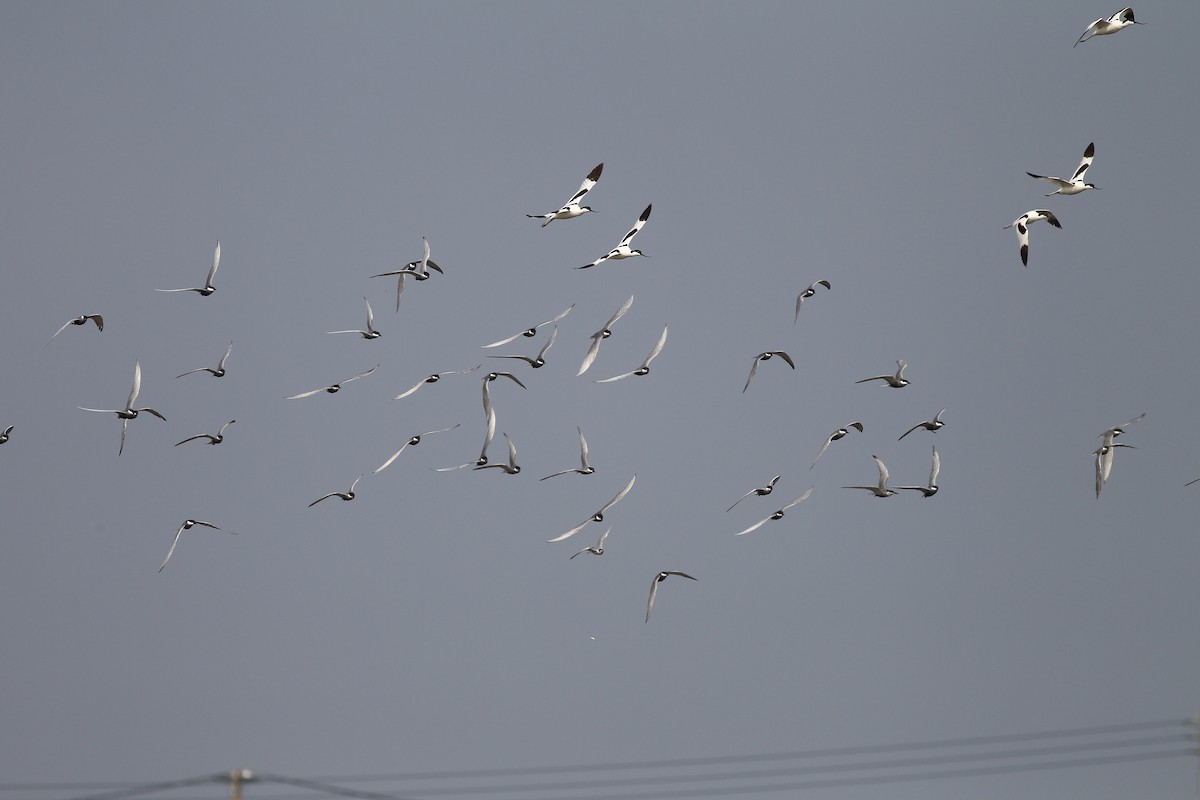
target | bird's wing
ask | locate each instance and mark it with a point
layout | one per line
(658, 346)
(1085, 162)
(740, 499)
(137, 384)
(618, 496)
(616, 377)
(221, 363)
(96, 318)
(370, 316)
(213, 269)
(583, 450)
(388, 463)
(60, 330)
(406, 393)
(556, 318)
(226, 425)
(363, 374)
(171, 552)
(910, 430)
(197, 436)
(590, 356)
(799, 302)
(503, 341)
(306, 394)
(1022, 227)
(1090, 29)
(570, 533)
(799, 499)
(936, 468)
(653, 592)
(637, 226)
(750, 377)
(883, 472)
(549, 343)
(619, 313)
(787, 359)
(319, 499)
(821, 452)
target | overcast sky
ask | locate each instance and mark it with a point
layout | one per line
(427, 625)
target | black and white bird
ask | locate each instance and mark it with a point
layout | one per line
(370, 332)
(511, 468)
(346, 495)
(187, 525)
(1022, 224)
(1076, 184)
(585, 467)
(434, 378)
(598, 548)
(934, 424)
(414, 441)
(932, 488)
(219, 372)
(6, 434)
(129, 412)
(572, 207)
(601, 335)
(623, 250)
(644, 369)
(807, 293)
(598, 516)
(333, 388)
(80, 320)
(897, 381)
(882, 489)
(766, 357)
(538, 361)
(531, 332)
(659, 578)
(833, 437)
(777, 515)
(208, 287)
(1106, 25)
(1104, 453)
(419, 270)
(761, 491)
(216, 438)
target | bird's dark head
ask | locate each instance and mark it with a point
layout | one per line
(642, 371)
(415, 440)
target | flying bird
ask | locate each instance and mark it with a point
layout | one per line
(212, 439)
(934, 424)
(531, 332)
(333, 388)
(347, 495)
(419, 270)
(540, 360)
(129, 412)
(6, 434)
(1075, 185)
(932, 488)
(219, 372)
(188, 524)
(414, 441)
(370, 332)
(897, 381)
(761, 491)
(81, 320)
(208, 287)
(777, 515)
(434, 378)
(572, 208)
(833, 437)
(511, 468)
(659, 578)
(1022, 223)
(807, 293)
(1104, 460)
(598, 516)
(585, 467)
(766, 357)
(1103, 27)
(601, 335)
(882, 489)
(623, 250)
(645, 367)
(598, 548)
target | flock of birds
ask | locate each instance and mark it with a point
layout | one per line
(421, 269)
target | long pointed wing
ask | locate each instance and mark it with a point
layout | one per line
(60, 330)
(821, 452)
(621, 494)
(883, 472)
(616, 377)
(137, 384)
(306, 394)
(937, 467)
(658, 347)
(171, 552)
(388, 463)
(587, 185)
(1085, 162)
(221, 363)
(799, 499)
(590, 356)
(619, 313)
(583, 449)
(653, 591)
(370, 315)
(754, 527)
(361, 374)
(549, 342)
(213, 270)
(750, 377)
(637, 226)
(740, 499)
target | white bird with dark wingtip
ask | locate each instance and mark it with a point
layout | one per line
(370, 332)
(644, 369)
(212, 439)
(219, 372)
(932, 488)
(598, 516)
(347, 495)
(777, 515)
(414, 441)
(531, 332)
(208, 287)
(187, 525)
(434, 378)
(598, 548)
(766, 357)
(623, 250)
(1104, 26)
(540, 360)
(80, 320)
(659, 578)
(807, 293)
(934, 424)
(882, 489)
(511, 468)
(333, 388)
(833, 437)
(572, 208)
(761, 491)
(601, 335)
(1022, 224)
(585, 467)
(897, 381)
(1076, 184)
(129, 412)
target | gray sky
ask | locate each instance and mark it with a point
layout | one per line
(427, 625)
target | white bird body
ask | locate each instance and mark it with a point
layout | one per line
(573, 207)
(623, 249)
(777, 515)
(598, 516)
(208, 288)
(1076, 183)
(1108, 25)
(1022, 224)
(659, 578)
